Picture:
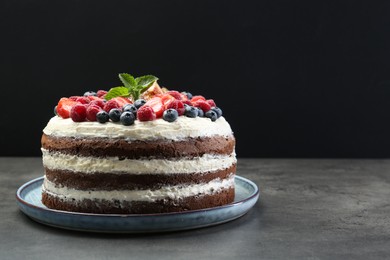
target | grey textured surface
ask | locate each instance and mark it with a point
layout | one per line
(308, 209)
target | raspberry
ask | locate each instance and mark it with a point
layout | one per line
(196, 98)
(177, 105)
(146, 113)
(64, 106)
(202, 104)
(98, 103)
(110, 105)
(187, 102)
(74, 98)
(157, 105)
(211, 102)
(92, 110)
(101, 93)
(78, 113)
(83, 100)
(175, 94)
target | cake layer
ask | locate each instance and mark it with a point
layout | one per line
(183, 128)
(109, 181)
(102, 147)
(205, 163)
(195, 202)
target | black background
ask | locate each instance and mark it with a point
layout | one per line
(294, 78)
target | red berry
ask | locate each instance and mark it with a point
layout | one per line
(187, 102)
(110, 105)
(98, 103)
(122, 101)
(92, 110)
(202, 105)
(175, 94)
(74, 98)
(166, 99)
(177, 105)
(64, 106)
(78, 113)
(92, 98)
(83, 100)
(211, 102)
(157, 105)
(146, 113)
(101, 93)
(196, 98)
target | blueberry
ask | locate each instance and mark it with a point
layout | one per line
(130, 108)
(102, 117)
(191, 111)
(170, 115)
(55, 111)
(139, 103)
(212, 115)
(200, 112)
(188, 94)
(90, 93)
(127, 118)
(218, 111)
(115, 114)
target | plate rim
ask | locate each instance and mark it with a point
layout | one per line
(82, 214)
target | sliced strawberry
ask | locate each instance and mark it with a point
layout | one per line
(202, 104)
(122, 101)
(157, 105)
(166, 99)
(177, 105)
(146, 113)
(175, 94)
(196, 98)
(211, 102)
(64, 106)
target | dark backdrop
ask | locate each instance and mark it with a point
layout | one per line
(294, 78)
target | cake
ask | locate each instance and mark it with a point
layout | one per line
(137, 149)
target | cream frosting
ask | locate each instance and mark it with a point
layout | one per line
(207, 162)
(183, 127)
(172, 192)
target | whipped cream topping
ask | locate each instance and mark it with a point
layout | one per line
(183, 127)
(208, 162)
(172, 192)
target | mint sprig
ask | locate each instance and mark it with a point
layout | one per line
(132, 86)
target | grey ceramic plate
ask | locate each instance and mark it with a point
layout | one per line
(29, 200)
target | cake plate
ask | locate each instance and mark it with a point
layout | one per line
(29, 200)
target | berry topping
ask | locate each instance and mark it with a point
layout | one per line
(200, 112)
(191, 111)
(146, 113)
(83, 100)
(196, 98)
(89, 93)
(188, 94)
(157, 106)
(175, 94)
(92, 110)
(78, 113)
(167, 99)
(64, 106)
(102, 117)
(101, 93)
(178, 105)
(130, 108)
(211, 102)
(202, 104)
(73, 98)
(127, 118)
(218, 111)
(110, 105)
(212, 115)
(115, 114)
(187, 102)
(100, 103)
(139, 103)
(170, 115)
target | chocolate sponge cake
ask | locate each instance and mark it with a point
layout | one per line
(163, 151)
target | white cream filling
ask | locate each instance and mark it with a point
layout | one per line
(208, 162)
(171, 192)
(183, 127)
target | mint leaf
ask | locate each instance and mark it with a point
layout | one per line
(117, 92)
(145, 81)
(128, 80)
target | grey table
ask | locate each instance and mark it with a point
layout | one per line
(308, 209)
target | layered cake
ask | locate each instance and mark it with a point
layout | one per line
(137, 149)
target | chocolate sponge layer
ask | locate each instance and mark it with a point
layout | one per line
(103, 147)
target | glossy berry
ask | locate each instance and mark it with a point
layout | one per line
(200, 112)
(191, 111)
(127, 118)
(102, 117)
(89, 93)
(175, 94)
(110, 105)
(78, 113)
(146, 113)
(170, 115)
(157, 105)
(202, 104)
(212, 115)
(83, 100)
(55, 111)
(177, 105)
(92, 110)
(196, 98)
(139, 103)
(211, 102)
(130, 108)
(64, 106)
(99, 103)
(188, 94)
(101, 93)
(218, 111)
(115, 114)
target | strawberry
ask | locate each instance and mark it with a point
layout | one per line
(83, 100)
(64, 106)
(122, 101)
(175, 94)
(166, 99)
(202, 104)
(177, 105)
(146, 113)
(112, 103)
(92, 110)
(78, 113)
(101, 93)
(196, 98)
(157, 105)
(211, 102)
